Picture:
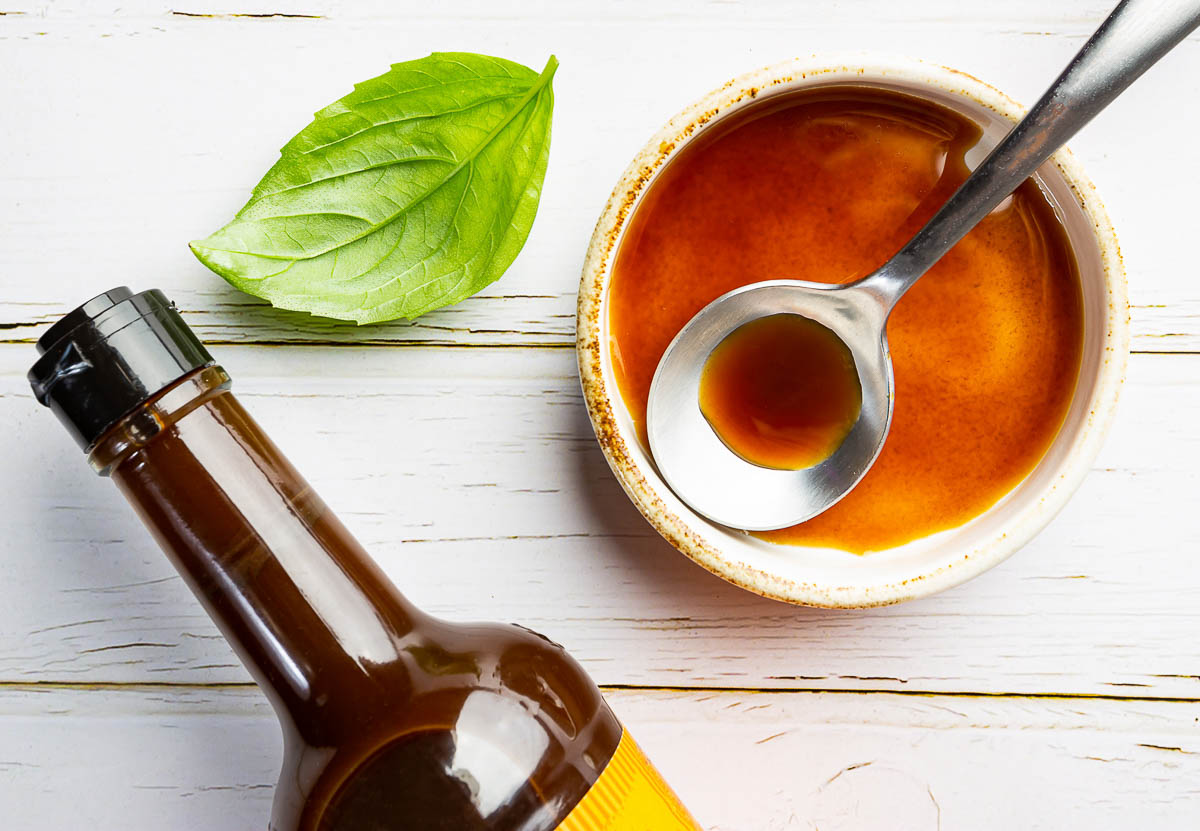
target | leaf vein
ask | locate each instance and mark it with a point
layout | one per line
(418, 117)
(516, 205)
(343, 175)
(429, 191)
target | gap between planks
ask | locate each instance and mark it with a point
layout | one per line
(403, 344)
(378, 344)
(166, 686)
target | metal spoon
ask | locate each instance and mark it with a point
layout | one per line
(722, 486)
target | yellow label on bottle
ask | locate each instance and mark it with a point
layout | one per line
(629, 796)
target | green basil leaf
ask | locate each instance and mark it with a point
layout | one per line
(411, 193)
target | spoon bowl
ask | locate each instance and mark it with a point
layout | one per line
(701, 465)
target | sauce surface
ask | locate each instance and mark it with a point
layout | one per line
(825, 185)
(781, 391)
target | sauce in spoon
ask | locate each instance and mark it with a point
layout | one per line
(781, 392)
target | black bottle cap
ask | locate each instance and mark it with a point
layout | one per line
(109, 356)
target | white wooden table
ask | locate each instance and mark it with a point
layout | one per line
(1061, 690)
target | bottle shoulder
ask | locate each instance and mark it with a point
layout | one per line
(499, 721)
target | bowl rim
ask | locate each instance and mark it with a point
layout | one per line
(642, 486)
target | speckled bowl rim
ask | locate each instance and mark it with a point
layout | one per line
(647, 489)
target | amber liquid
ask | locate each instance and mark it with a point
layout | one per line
(413, 783)
(392, 720)
(781, 391)
(825, 185)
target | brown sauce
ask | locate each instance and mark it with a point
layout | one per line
(409, 778)
(393, 720)
(412, 784)
(781, 391)
(825, 185)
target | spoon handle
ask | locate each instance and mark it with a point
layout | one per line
(1130, 41)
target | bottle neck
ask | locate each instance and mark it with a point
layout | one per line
(308, 612)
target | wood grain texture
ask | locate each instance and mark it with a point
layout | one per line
(109, 169)
(473, 477)
(204, 759)
(131, 127)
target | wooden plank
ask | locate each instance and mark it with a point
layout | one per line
(473, 476)
(206, 758)
(110, 169)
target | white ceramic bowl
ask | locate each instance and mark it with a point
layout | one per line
(831, 578)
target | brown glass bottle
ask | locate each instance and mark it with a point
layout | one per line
(392, 720)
